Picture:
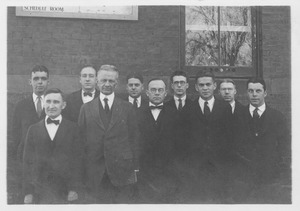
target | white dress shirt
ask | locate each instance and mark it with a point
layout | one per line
(155, 112)
(35, 99)
(210, 103)
(260, 111)
(110, 98)
(138, 100)
(87, 98)
(182, 101)
(52, 128)
(232, 104)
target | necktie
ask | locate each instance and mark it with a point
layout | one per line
(87, 94)
(180, 104)
(156, 107)
(49, 121)
(255, 114)
(206, 109)
(135, 103)
(39, 106)
(106, 107)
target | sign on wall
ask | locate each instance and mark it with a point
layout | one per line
(98, 12)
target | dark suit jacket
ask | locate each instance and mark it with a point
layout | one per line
(182, 131)
(266, 154)
(157, 145)
(211, 136)
(25, 115)
(113, 149)
(55, 165)
(74, 103)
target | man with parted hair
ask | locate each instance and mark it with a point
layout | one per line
(228, 91)
(88, 91)
(109, 126)
(53, 155)
(134, 89)
(264, 150)
(211, 137)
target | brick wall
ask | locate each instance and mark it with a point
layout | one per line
(149, 45)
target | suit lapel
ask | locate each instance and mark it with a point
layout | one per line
(79, 98)
(116, 109)
(61, 131)
(266, 118)
(95, 111)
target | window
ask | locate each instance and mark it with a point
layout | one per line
(223, 39)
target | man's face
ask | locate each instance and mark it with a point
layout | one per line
(54, 104)
(39, 82)
(227, 91)
(179, 85)
(134, 87)
(107, 81)
(205, 86)
(256, 94)
(88, 79)
(156, 92)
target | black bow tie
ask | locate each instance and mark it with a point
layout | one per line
(87, 94)
(156, 107)
(49, 121)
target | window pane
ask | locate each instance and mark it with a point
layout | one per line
(201, 40)
(235, 36)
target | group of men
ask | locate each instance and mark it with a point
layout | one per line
(94, 147)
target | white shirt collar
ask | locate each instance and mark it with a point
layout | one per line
(232, 105)
(57, 118)
(131, 100)
(261, 109)
(110, 98)
(151, 104)
(182, 98)
(34, 97)
(210, 103)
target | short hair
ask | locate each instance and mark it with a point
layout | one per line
(156, 79)
(257, 80)
(227, 80)
(55, 91)
(178, 73)
(40, 68)
(205, 73)
(136, 75)
(109, 67)
(88, 66)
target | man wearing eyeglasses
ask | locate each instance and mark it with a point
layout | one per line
(156, 123)
(180, 102)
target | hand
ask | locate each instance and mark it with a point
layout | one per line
(28, 199)
(72, 196)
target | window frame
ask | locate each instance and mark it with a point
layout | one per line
(232, 72)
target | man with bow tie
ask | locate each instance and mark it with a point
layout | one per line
(157, 124)
(53, 156)
(264, 150)
(88, 92)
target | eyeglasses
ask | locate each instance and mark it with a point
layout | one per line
(182, 83)
(159, 90)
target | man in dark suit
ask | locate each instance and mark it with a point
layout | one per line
(52, 156)
(157, 125)
(211, 134)
(27, 112)
(88, 92)
(183, 106)
(264, 149)
(110, 128)
(135, 88)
